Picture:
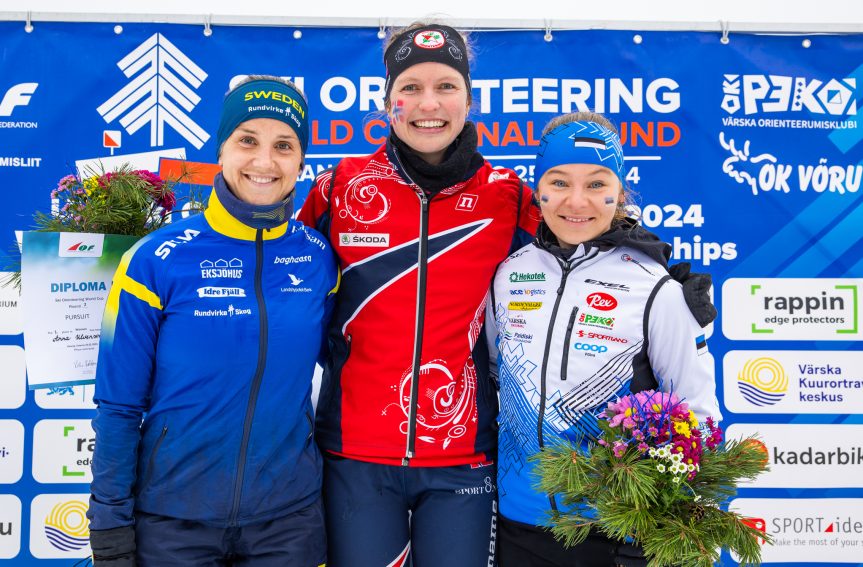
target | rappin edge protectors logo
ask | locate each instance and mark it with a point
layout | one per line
(80, 245)
(776, 309)
(162, 88)
(762, 381)
(66, 526)
(369, 239)
(762, 94)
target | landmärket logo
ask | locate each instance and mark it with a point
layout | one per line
(762, 381)
(161, 93)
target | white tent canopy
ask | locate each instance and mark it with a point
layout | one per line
(769, 16)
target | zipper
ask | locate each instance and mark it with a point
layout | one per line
(566, 269)
(152, 461)
(565, 361)
(422, 274)
(258, 377)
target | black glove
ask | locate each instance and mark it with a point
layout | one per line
(695, 291)
(629, 555)
(114, 547)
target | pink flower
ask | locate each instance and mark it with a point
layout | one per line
(619, 448)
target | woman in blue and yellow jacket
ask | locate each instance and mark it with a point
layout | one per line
(204, 429)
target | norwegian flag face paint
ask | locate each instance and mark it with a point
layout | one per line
(398, 111)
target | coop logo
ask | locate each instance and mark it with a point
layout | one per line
(774, 93)
(590, 347)
(78, 245)
(66, 526)
(601, 301)
(160, 93)
(370, 240)
(221, 268)
(17, 95)
(762, 381)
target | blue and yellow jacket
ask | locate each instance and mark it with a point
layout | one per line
(210, 335)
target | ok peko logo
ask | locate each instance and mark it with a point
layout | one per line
(776, 93)
(601, 301)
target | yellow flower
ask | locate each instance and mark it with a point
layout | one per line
(682, 428)
(90, 184)
(693, 421)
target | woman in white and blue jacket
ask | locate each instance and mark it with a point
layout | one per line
(204, 428)
(586, 313)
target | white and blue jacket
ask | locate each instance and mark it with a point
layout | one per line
(209, 341)
(575, 329)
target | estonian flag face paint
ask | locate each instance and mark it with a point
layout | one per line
(586, 142)
(700, 344)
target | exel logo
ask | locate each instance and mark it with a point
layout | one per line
(17, 95)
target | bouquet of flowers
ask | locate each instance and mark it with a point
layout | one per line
(124, 201)
(656, 477)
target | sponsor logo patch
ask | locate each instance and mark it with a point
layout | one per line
(371, 240)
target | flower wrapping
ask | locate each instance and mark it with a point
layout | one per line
(658, 477)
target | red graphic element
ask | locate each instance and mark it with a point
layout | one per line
(829, 528)
(108, 141)
(757, 524)
(601, 301)
(467, 202)
(75, 246)
(191, 172)
(762, 447)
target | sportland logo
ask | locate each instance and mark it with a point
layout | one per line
(160, 94)
(762, 381)
(66, 526)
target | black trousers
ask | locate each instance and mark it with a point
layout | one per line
(523, 545)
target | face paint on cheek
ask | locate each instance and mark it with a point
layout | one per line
(543, 199)
(398, 111)
(609, 200)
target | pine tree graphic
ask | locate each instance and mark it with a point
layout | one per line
(159, 94)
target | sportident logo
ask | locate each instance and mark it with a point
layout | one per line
(762, 381)
(158, 95)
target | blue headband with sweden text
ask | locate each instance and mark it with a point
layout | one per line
(264, 99)
(580, 142)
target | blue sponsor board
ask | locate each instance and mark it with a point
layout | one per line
(746, 157)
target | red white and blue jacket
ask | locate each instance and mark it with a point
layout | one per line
(407, 380)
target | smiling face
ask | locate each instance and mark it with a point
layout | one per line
(428, 107)
(578, 201)
(261, 161)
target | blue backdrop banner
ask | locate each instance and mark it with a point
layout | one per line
(745, 156)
